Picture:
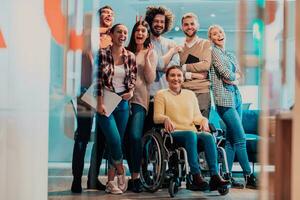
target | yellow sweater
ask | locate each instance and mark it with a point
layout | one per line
(181, 109)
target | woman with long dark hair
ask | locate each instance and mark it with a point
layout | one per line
(116, 73)
(146, 60)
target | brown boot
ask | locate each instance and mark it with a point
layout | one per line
(217, 182)
(198, 183)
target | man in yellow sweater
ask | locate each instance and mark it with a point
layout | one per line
(195, 59)
(178, 110)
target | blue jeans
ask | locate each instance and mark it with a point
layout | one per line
(207, 141)
(189, 140)
(135, 133)
(113, 128)
(235, 137)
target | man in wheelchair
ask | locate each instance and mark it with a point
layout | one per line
(177, 109)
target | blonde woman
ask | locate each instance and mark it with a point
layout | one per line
(224, 77)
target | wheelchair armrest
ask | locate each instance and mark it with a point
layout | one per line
(165, 135)
(216, 131)
(158, 127)
(168, 136)
(212, 128)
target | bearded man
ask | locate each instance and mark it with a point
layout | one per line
(195, 59)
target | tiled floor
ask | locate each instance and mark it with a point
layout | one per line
(59, 189)
(60, 179)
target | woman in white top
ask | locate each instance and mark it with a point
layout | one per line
(116, 73)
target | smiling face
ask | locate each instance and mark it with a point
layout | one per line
(175, 79)
(158, 25)
(119, 35)
(189, 26)
(106, 18)
(217, 36)
(140, 34)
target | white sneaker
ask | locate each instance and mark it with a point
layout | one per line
(112, 188)
(122, 183)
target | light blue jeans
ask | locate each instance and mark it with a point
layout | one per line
(135, 133)
(113, 127)
(235, 136)
(189, 140)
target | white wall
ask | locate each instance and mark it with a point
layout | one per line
(24, 100)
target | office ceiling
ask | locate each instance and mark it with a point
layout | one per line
(223, 12)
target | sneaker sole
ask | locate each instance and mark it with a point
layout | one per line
(126, 183)
(110, 192)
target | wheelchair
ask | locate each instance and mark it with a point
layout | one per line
(164, 163)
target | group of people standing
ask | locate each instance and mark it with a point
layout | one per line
(160, 82)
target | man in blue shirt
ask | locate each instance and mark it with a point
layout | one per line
(160, 21)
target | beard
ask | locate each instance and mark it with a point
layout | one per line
(190, 35)
(155, 33)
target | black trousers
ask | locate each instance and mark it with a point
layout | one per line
(82, 137)
(149, 123)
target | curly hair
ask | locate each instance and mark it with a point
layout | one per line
(152, 11)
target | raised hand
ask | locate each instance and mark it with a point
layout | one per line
(177, 49)
(149, 51)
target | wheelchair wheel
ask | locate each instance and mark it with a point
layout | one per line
(153, 165)
(223, 191)
(173, 188)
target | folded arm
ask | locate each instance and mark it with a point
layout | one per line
(220, 66)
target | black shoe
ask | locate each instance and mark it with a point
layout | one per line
(135, 185)
(197, 184)
(234, 183)
(76, 186)
(217, 182)
(166, 182)
(251, 181)
(95, 185)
